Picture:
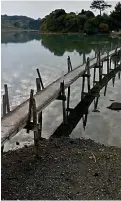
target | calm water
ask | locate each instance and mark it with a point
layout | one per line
(22, 53)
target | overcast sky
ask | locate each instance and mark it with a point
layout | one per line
(39, 9)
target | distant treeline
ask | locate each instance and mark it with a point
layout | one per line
(83, 22)
(19, 22)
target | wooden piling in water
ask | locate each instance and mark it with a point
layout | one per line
(6, 106)
(84, 58)
(36, 133)
(63, 102)
(68, 95)
(40, 78)
(88, 73)
(39, 88)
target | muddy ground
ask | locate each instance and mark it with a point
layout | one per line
(67, 169)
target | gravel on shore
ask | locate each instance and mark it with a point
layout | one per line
(68, 169)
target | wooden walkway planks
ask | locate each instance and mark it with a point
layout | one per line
(14, 121)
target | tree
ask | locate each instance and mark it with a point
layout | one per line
(104, 28)
(116, 17)
(91, 26)
(99, 5)
(16, 24)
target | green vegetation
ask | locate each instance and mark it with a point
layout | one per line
(19, 23)
(59, 21)
(99, 5)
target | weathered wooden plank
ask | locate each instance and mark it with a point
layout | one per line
(15, 120)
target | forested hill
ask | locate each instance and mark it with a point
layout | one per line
(83, 22)
(19, 22)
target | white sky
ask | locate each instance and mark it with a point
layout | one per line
(38, 9)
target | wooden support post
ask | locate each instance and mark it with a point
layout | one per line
(108, 64)
(84, 58)
(40, 78)
(100, 67)
(7, 98)
(33, 125)
(96, 103)
(84, 119)
(36, 135)
(69, 64)
(68, 96)
(38, 84)
(39, 88)
(63, 102)
(119, 75)
(6, 106)
(83, 84)
(105, 90)
(94, 76)
(95, 54)
(30, 108)
(113, 81)
(88, 73)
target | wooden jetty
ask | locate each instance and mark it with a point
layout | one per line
(20, 117)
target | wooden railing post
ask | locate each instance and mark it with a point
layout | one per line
(6, 106)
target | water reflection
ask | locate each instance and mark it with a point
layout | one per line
(19, 37)
(59, 44)
(19, 63)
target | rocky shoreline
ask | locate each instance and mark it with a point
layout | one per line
(67, 169)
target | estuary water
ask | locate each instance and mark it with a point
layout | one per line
(22, 53)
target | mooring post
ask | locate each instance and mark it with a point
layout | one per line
(39, 88)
